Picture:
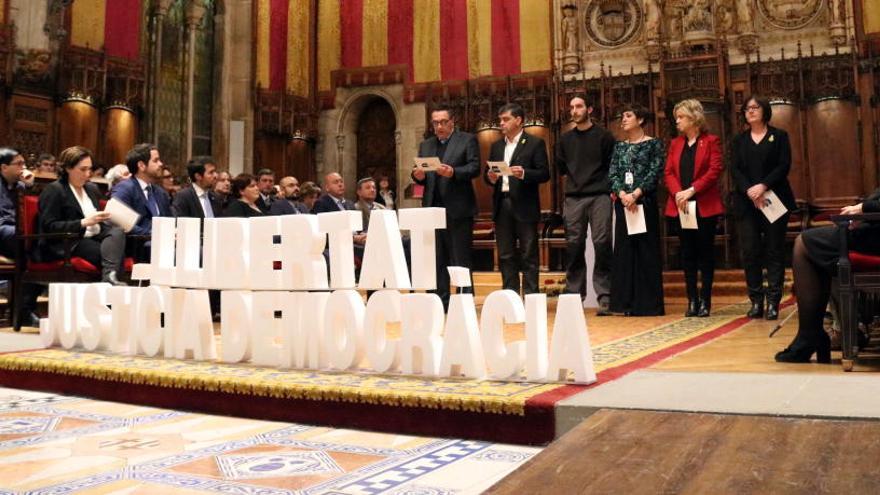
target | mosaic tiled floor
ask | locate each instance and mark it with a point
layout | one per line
(57, 444)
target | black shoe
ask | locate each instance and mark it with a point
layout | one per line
(692, 308)
(772, 311)
(603, 308)
(110, 278)
(705, 307)
(757, 310)
(801, 353)
(29, 320)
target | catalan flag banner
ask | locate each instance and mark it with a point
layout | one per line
(437, 39)
(282, 49)
(871, 17)
(113, 26)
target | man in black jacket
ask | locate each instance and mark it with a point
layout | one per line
(516, 207)
(450, 187)
(291, 204)
(198, 200)
(584, 155)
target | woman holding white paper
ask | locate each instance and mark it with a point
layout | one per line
(693, 166)
(70, 205)
(761, 162)
(636, 165)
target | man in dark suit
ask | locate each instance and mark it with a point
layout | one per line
(450, 187)
(334, 200)
(266, 184)
(142, 192)
(516, 208)
(291, 204)
(198, 200)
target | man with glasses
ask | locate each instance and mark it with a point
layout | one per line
(450, 187)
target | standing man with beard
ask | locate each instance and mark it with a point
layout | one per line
(450, 187)
(291, 204)
(584, 156)
(516, 204)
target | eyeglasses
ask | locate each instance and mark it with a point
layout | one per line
(438, 123)
(753, 108)
(17, 162)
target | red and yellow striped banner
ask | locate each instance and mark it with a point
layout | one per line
(283, 52)
(110, 25)
(871, 17)
(437, 39)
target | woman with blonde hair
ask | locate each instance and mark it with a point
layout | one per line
(693, 166)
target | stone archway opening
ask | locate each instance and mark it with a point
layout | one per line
(376, 147)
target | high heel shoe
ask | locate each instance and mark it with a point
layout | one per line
(692, 309)
(705, 307)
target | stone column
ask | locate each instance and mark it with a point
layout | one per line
(160, 10)
(194, 13)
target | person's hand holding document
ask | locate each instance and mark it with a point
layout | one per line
(500, 168)
(121, 214)
(635, 220)
(688, 216)
(772, 207)
(427, 163)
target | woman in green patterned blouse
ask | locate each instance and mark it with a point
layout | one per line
(636, 167)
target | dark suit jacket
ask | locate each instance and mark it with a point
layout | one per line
(60, 212)
(462, 154)
(265, 205)
(186, 204)
(240, 209)
(774, 173)
(326, 203)
(531, 154)
(129, 192)
(285, 207)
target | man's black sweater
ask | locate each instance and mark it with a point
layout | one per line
(585, 157)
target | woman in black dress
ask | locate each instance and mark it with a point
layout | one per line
(814, 262)
(245, 193)
(761, 161)
(636, 165)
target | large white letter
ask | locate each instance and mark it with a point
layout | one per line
(266, 330)
(536, 336)
(226, 249)
(302, 253)
(339, 225)
(162, 250)
(344, 329)
(570, 346)
(384, 261)
(383, 307)
(95, 329)
(505, 360)
(235, 325)
(264, 253)
(195, 337)
(461, 344)
(420, 342)
(149, 333)
(189, 253)
(122, 303)
(305, 334)
(421, 223)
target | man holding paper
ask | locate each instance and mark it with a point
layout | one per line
(516, 208)
(70, 205)
(450, 186)
(761, 162)
(693, 166)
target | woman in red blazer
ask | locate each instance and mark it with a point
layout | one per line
(693, 166)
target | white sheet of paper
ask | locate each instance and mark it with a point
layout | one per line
(689, 220)
(121, 214)
(426, 163)
(635, 222)
(773, 207)
(500, 168)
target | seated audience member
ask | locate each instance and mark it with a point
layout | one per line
(98, 172)
(245, 194)
(386, 195)
(198, 200)
(309, 193)
(334, 197)
(141, 192)
(814, 263)
(221, 188)
(289, 204)
(11, 167)
(366, 193)
(117, 173)
(46, 164)
(70, 205)
(266, 185)
(169, 182)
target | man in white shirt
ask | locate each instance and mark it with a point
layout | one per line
(198, 200)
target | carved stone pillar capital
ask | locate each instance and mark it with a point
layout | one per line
(161, 7)
(195, 11)
(340, 142)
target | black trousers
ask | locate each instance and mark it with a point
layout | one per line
(698, 255)
(454, 245)
(762, 245)
(637, 272)
(517, 250)
(29, 292)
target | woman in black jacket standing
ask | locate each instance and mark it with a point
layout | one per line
(761, 162)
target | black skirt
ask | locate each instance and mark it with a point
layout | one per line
(637, 273)
(823, 244)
